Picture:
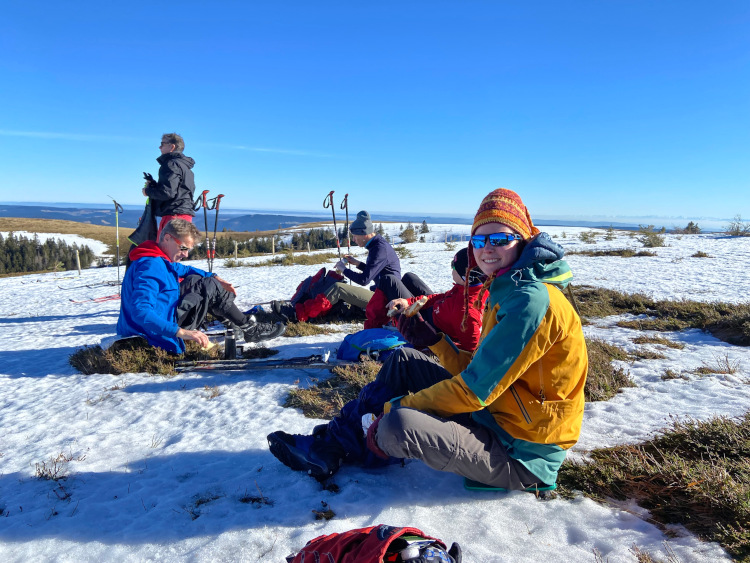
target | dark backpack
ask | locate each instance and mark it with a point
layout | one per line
(377, 544)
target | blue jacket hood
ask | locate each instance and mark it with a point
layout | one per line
(541, 260)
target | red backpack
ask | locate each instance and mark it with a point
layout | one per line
(377, 544)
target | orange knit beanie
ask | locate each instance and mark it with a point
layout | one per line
(505, 206)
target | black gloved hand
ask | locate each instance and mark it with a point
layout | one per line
(417, 332)
(149, 180)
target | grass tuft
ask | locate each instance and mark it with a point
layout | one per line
(722, 364)
(696, 474)
(305, 329)
(658, 340)
(725, 321)
(605, 380)
(325, 398)
(671, 374)
(135, 355)
(646, 354)
(56, 468)
(623, 252)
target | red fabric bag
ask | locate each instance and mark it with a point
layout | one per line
(362, 545)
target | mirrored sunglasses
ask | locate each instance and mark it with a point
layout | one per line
(183, 248)
(495, 239)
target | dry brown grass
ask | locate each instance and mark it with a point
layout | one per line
(325, 398)
(604, 379)
(305, 329)
(725, 321)
(658, 340)
(623, 253)
(696, 474)
(134, 356)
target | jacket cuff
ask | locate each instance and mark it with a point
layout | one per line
(444, 346)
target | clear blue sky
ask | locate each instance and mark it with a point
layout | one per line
(584, 107)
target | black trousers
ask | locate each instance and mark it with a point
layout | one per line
(200, 296)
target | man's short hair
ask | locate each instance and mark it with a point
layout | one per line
(179, 228)
(174, 139)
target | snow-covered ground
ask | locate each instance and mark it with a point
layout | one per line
(158, 470)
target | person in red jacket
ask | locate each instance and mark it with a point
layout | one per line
(444, 311)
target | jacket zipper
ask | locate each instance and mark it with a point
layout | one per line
(525, 414)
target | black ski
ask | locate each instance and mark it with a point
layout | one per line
(311, 362)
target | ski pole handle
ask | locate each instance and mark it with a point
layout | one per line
(328, 201)
(200, 201)
(345, 203)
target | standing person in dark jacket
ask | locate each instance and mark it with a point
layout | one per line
(172, 195)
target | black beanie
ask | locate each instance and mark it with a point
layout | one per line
(362, 225)
(461, 262)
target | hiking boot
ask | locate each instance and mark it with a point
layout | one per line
(254, 331)
(285, 310)
(319, 457)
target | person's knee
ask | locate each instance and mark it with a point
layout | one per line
(394, 436)
(334, 293)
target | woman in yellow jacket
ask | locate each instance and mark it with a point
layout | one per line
(522, 387)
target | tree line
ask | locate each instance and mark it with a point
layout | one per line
(317, 239)
(19, 253)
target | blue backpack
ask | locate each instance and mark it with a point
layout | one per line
(375, 343)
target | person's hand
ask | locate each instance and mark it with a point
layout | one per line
(396, 306)
(351, 259)
(226, 285)
(372, 443)
(341, 265)
(417, 332)
(194, 335)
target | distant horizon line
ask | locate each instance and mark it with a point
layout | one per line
(466, 216)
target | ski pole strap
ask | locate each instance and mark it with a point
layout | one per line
(213, 203)
(328, 201)
(118, 207)
(200, 201)
(218, 201)
(345, 203)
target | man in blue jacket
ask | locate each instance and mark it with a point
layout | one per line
(165, 301)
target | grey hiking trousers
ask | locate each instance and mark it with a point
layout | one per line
(456, 445)
(354, 295)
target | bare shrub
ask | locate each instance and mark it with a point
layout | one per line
(56, 468)
(737, 227)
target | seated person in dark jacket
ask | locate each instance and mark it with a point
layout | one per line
(171, 196)
(166, 302)
(382, 264)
